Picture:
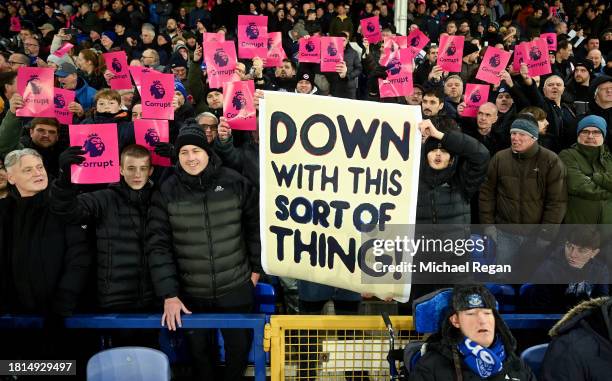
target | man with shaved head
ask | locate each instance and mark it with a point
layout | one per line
(595, 56)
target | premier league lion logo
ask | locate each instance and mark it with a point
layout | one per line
(116, 65)
(59, 101)
(151, 137)
(221, 58)
(451, 49)
(310, 46)
(475, 97)
(535, 53)
(549, 40)
(394, 66)
(270, 43)
(94, 145)
(495, 60)
(34, 83)
(239, 101)
(157, 90)
(252, 31)
(331, 50)
(370, 27)
(414, 41)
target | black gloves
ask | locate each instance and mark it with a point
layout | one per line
(72, 155)
(164, 149)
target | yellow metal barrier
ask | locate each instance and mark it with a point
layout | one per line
(306, 347)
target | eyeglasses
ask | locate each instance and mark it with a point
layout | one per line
(579, 249)
(13, 63)
(594, 133)
(212, 127)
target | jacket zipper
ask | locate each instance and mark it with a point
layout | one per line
(210, 248)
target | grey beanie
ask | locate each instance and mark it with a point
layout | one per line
(526, 126)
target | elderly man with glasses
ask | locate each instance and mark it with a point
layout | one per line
(589, 174)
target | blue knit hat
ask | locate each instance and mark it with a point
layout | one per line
(525, 125)
(178, 86)
(593, 121)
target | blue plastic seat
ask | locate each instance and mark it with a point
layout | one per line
(533, 357)
(129, 364)
(265, 299)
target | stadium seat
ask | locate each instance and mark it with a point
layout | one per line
(533, 357)
(265, 299)
(525, 288)
(129, 364)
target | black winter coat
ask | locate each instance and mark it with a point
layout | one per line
(203, 233)
(581, 347)
(120, 214)
(44, 262)
(444, 196)
(346, 87)
(437, 363)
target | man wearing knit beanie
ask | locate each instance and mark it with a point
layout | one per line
(525, 185)
(589, 201)
(204, 249)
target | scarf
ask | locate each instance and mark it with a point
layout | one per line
(485, 362)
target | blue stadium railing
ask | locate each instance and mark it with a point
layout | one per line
(256, 322)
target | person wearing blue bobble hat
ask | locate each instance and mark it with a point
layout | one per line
(589, 174)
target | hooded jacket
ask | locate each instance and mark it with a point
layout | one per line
(119, 214)
(45, 262)
(203, 233)
(437, 364)
(581, 346)
(444, 195)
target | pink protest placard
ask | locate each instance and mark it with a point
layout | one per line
(494, 62)
(116, 63)
(61, 99)
(518, 56)
(138, 72)
(157, 93)
(450, 54)
(399, 75)
(252, 36)
(101, 163)
(310, 49)
(63, 50)
(276, 53)
(536, 57)
(212, 37)
(220, 58)
(417, 41)
(370, 29)
(238, 105)
(148, 133)
(475, 95)
(551, 40)
(35, 85)
(332, 53)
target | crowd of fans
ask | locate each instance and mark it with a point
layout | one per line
(185, 239)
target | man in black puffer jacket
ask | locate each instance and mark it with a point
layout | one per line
(204, 249)
(119, 213)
